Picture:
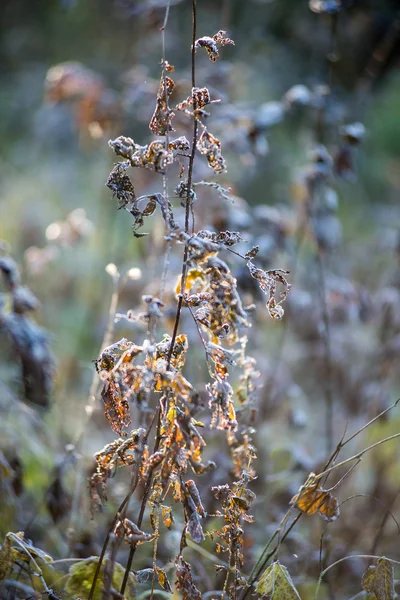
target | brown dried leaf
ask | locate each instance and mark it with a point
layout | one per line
(252, 253)
(210, 146)
(200, 98)
(121, 185)
(116, 406)
(211, 44)
(131, 533)
(267, 281)
(161, 120)
(184, 581)
(311, 499)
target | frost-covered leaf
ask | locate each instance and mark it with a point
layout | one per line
(145, 575)
(379, 580)
(276, 584)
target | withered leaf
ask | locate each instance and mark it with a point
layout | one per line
(252, 253)
(161, 120)
(121, 185)
(23, 550)
(267, 281)
(195, 529)
(163, 580)
(200, 98)
(211, 44)
(379, 580)
(116, 406)
(132, 534)
(210, 146)
(145, 575)
(184, 580)
(276, 584)
(167, 516)
(313, 500)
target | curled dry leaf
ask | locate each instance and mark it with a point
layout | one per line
(224, 238)
(210, 146)
(121, 185)
(119, 453)
(161, 120)
(193, 510)
(199, 99)
(116, 406)
(311, 500)
(145, 575)
(184, 580)
(252, 253)
(211, 44)
(235, 503)
(267, 281)
(131, 533)
(154, 156)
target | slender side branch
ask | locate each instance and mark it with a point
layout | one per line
(356, 456)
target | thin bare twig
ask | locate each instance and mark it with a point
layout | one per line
(189, 189)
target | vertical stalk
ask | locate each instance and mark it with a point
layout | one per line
(147, 489)
(189, 188)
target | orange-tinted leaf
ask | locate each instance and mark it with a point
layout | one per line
(313, 500)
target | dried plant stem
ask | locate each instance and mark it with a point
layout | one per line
(381, 414)
(189, 188)
(121, 510)
(387, 514)
(165, 176)
(93, 393)
(39, 572)
(343, 442)
(329, 401)
(357, 456)
(285, 325)
(146, 492)
(180, 300)
(153, 579)
(379, 58)
(264, 558)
